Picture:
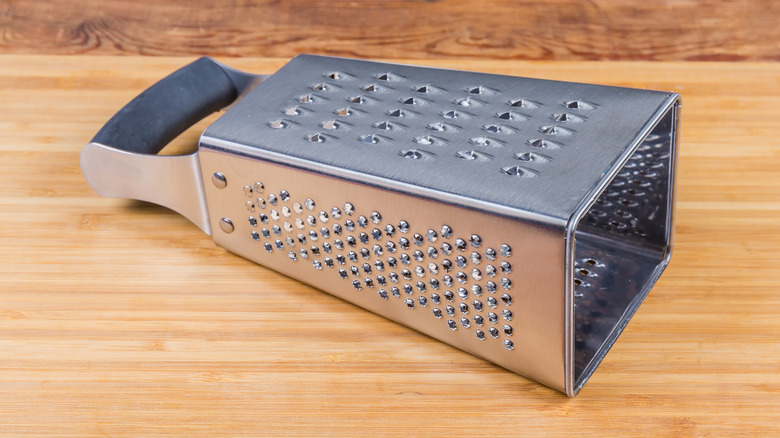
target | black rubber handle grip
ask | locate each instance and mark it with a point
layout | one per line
(168, 108)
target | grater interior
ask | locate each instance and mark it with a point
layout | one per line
(521, 220)
(622, 243)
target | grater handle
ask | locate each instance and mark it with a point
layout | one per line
(166, 109)
(121, 160)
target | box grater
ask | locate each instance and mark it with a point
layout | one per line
(521, 220)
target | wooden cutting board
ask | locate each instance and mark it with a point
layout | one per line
(119, 318)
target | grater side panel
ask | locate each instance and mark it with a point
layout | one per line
(496, 296)
(514, 142)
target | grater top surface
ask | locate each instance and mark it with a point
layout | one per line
(526, 144)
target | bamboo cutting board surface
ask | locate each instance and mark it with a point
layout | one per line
(120, 318)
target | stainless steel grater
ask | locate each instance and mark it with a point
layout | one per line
(521, 220)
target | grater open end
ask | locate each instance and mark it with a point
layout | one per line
(622, 244)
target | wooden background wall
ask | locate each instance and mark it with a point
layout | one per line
(663, 30)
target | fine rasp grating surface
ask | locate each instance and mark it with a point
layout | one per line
(439, 273)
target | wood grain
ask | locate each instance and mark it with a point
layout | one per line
(119, 318)
(418, 29)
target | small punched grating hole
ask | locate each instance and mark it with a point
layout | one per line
(518, 171)
(579, 104)
(530, 156)
(467, 101)
(416, 154)
(330, 124)
(410, 101)
(498, 129)
(292, 111)
(357, 99)
(524, 156)
(523, 103)
(563, 117)
(422, 89)
(544, 144)
(473, 155)
(425, 140)
(443, 127)
(278, 124)
(484, 141)
(335, 75)
(316, 138)
(511, 115)
(370, 139)
(307, 98)
(386, 126)
(396, 113)
(388, 77)
(554, 130)
(347, 111)
(320, 87)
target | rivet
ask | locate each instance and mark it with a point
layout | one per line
(226, 225)
(219, 180)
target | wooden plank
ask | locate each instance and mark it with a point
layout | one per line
(417, 29)
(119, 318)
